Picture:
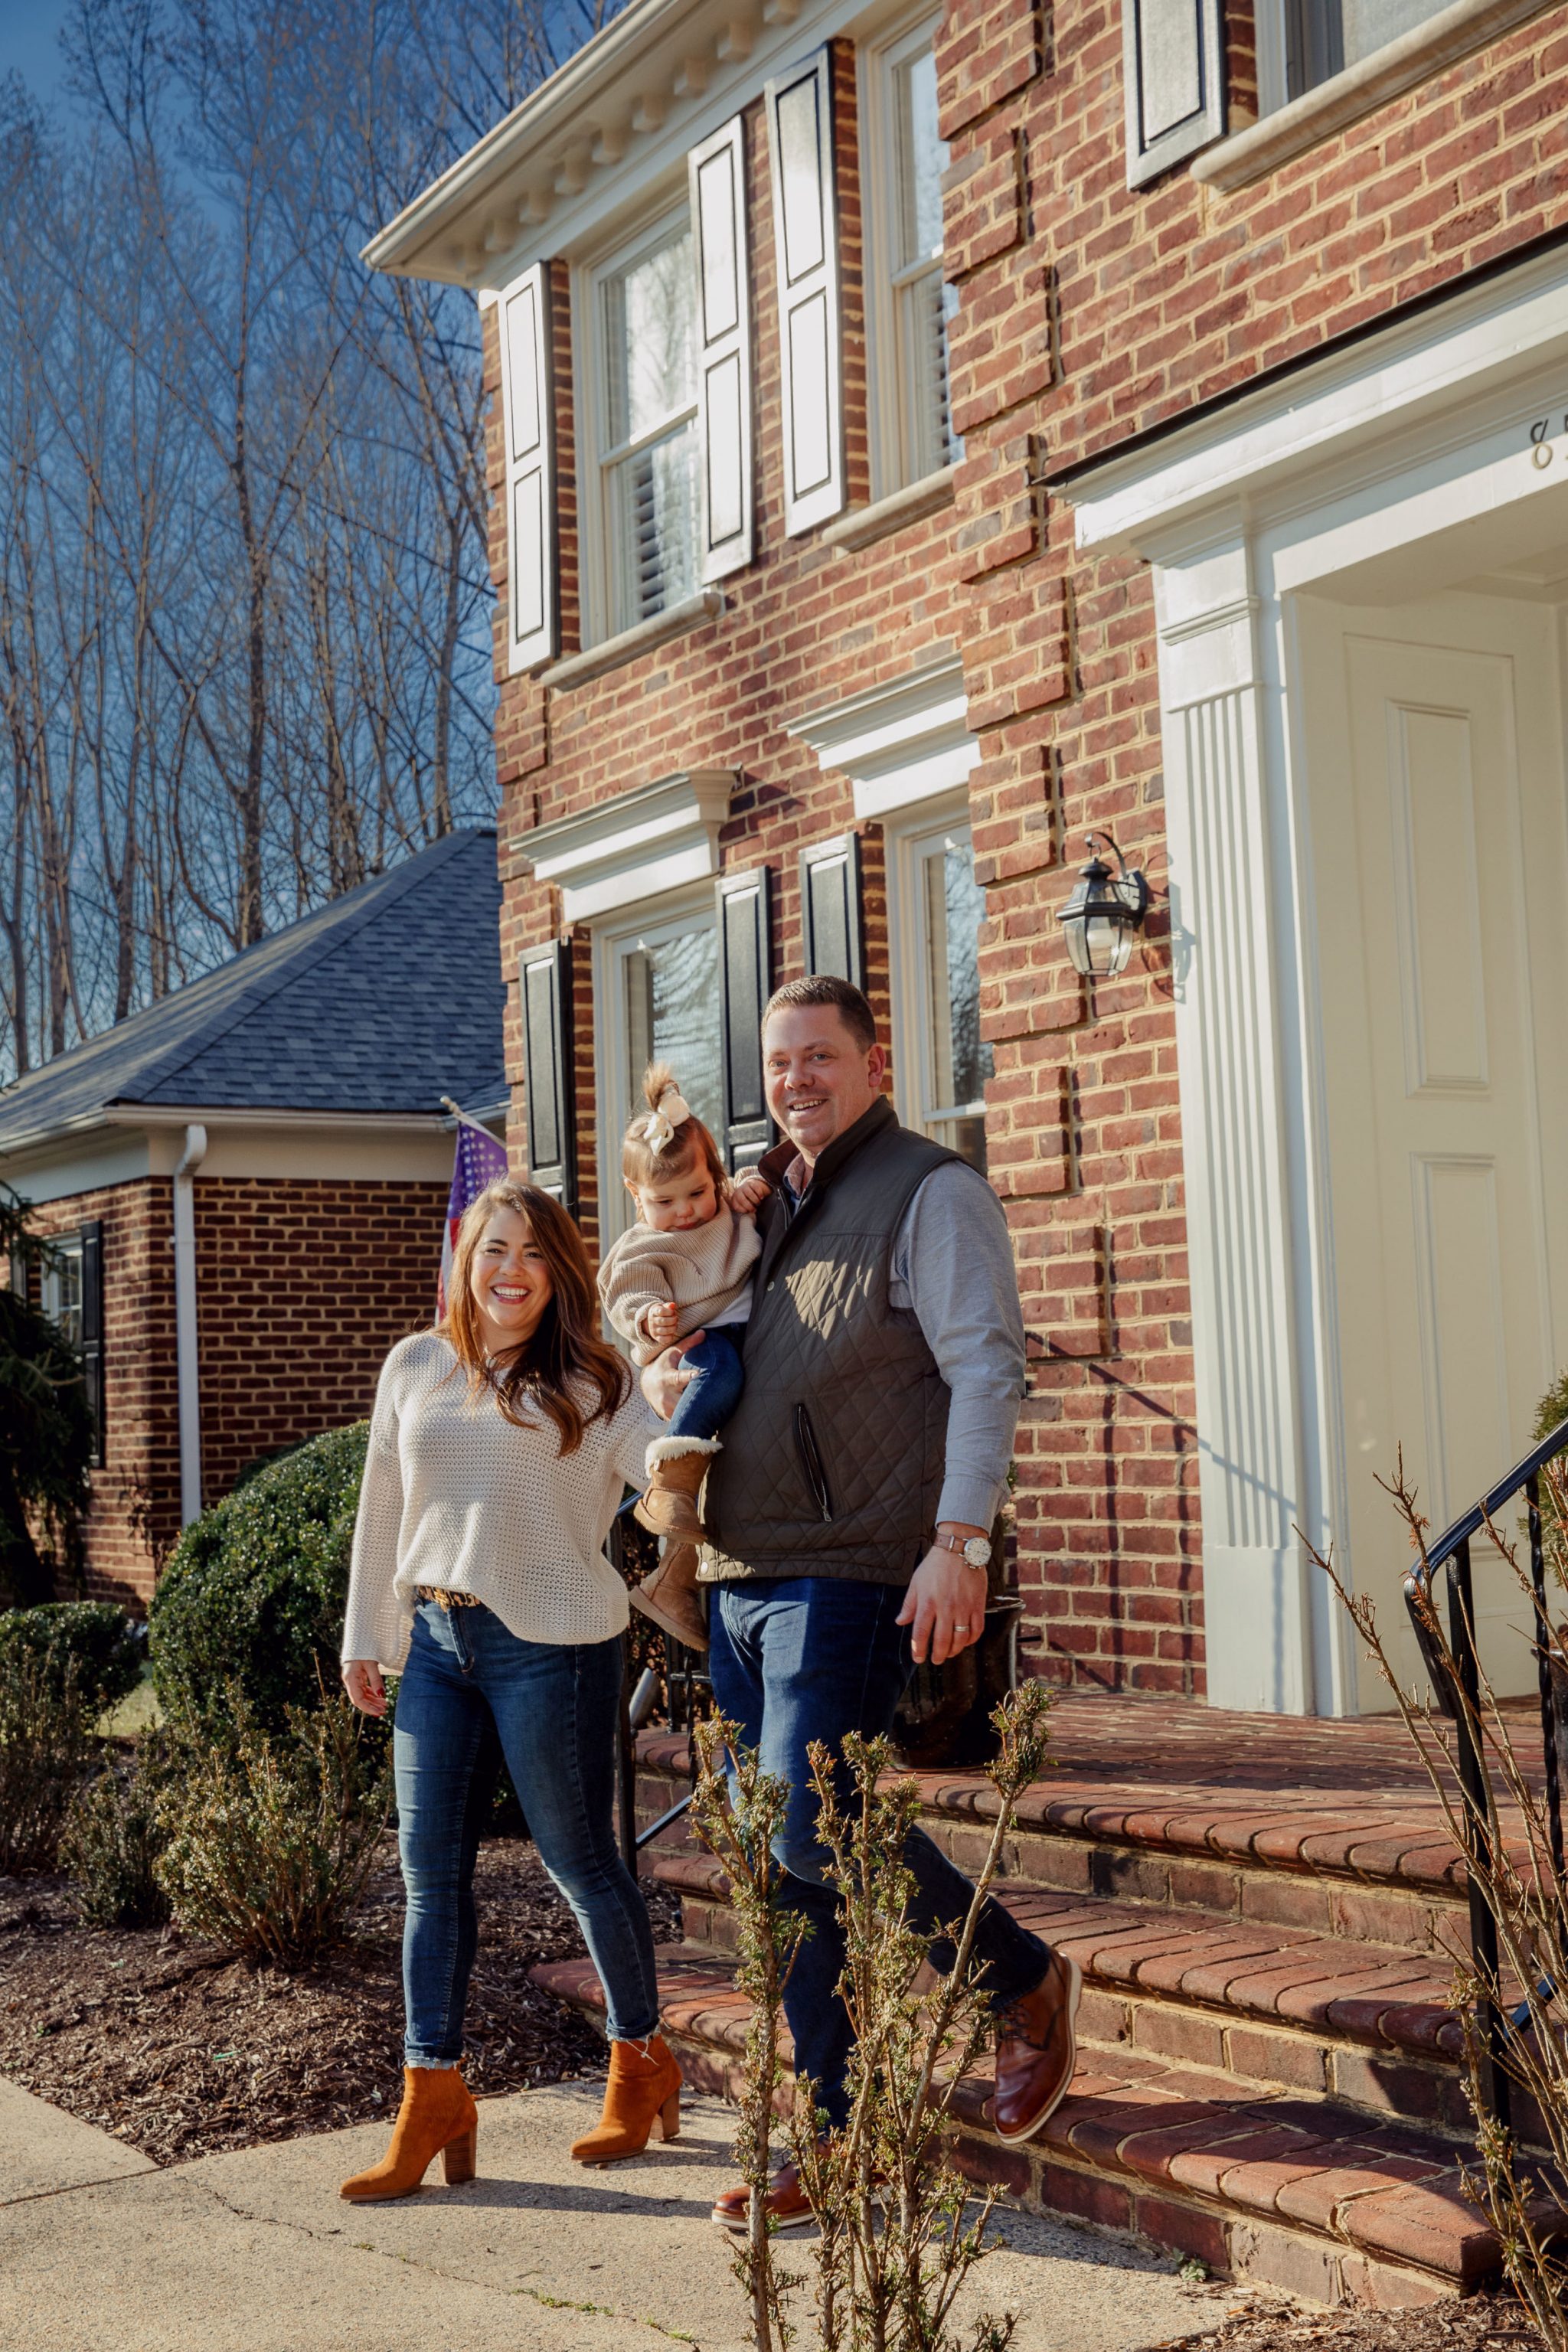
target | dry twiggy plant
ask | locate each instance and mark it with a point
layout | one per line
(1518, 2027)
(900, 2230)
(736, 1815)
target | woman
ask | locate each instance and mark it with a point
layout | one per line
(499, 1447)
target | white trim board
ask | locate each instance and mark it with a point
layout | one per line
(655, 838)
(899, 744)
(1397, 381)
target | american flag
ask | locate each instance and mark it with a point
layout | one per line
(478, 1161)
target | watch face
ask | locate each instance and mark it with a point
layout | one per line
(977, 1552)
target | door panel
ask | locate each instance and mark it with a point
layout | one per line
(1434, 780)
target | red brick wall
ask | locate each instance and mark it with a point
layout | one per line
(134, 1513)
(301, 1288)
(1089, 312)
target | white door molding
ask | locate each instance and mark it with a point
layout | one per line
(1229, 1033)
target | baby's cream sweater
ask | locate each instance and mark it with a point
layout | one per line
(456, 1495)
(706, 1270)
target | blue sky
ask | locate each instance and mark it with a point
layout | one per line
(27, 30)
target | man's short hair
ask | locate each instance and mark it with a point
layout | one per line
(825, 988)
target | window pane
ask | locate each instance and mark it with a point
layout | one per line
(926, 305)
(955, 908)
(673, 1015)
(922, 159)
(654, 522)
(1367, 25)
(61, 1292)
(649, 343)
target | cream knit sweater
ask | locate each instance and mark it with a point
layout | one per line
(706, 1270)
(455, 1495)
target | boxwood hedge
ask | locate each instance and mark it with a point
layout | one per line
(254, 1594)
(99, 1637)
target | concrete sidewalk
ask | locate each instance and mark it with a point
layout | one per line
(101, 2251)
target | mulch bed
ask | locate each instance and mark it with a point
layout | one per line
(1258, 2324)
(179, 2051)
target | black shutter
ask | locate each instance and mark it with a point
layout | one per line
(746, 980)
(830, 907)
(92, 1239)
(546, 976)
(1173, 63)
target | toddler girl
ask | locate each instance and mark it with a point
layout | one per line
(685, 1266)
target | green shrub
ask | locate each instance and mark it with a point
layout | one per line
(102, 1640)
(46, 1749)
(253, 1598)
(269, 1845)
(114, 1835)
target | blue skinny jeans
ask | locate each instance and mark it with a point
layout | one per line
(795, 1659)
(554, 1705)
(707, 1402)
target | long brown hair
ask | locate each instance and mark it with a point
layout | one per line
(565, 1352)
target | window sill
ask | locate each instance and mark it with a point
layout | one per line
(863, 525)
(640, 638)
(1398, 66)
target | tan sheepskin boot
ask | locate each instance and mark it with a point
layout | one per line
(676, 1469)
(671, 1595)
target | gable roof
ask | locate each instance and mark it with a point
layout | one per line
(382, 1001)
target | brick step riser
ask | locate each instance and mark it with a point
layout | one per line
(1346, 2074)
(1373, 1909)
(1248, 2249)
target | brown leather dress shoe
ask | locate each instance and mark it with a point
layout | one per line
(1035, 2052)
(789, 2206)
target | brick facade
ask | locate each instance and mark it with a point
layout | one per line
(301, 1289)
(1088, 313)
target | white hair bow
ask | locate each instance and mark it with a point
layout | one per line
(659, 1128)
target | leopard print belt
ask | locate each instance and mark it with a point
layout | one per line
(445, 1599)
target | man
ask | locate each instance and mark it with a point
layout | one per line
(851, 1507)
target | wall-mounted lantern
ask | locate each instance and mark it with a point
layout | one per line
(1103, 913)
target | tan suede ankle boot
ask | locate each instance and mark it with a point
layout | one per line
(642, 2095)
(437, 2117)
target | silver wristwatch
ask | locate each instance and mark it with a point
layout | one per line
(973, 1549)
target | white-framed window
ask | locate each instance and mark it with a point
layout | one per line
(640, 412)
(61, 1290)
(903, 157)
(1309, 41)
(62, 1287)
(935, 908)
(657, 984)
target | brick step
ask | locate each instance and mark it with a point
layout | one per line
(1380, 1872)
(1365, 2025)
(1280, 2189)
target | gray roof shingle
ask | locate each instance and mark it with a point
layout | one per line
(384, 1001)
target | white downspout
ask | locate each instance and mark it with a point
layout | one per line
(186, 1324)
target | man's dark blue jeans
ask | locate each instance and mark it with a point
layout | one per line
(800, 1658)
(555, 1705)
(707, 1402)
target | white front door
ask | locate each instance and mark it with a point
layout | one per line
(1435, 778)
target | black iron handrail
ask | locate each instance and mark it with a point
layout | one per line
(1456, 1681)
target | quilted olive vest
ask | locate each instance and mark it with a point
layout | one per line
(832, 1463)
